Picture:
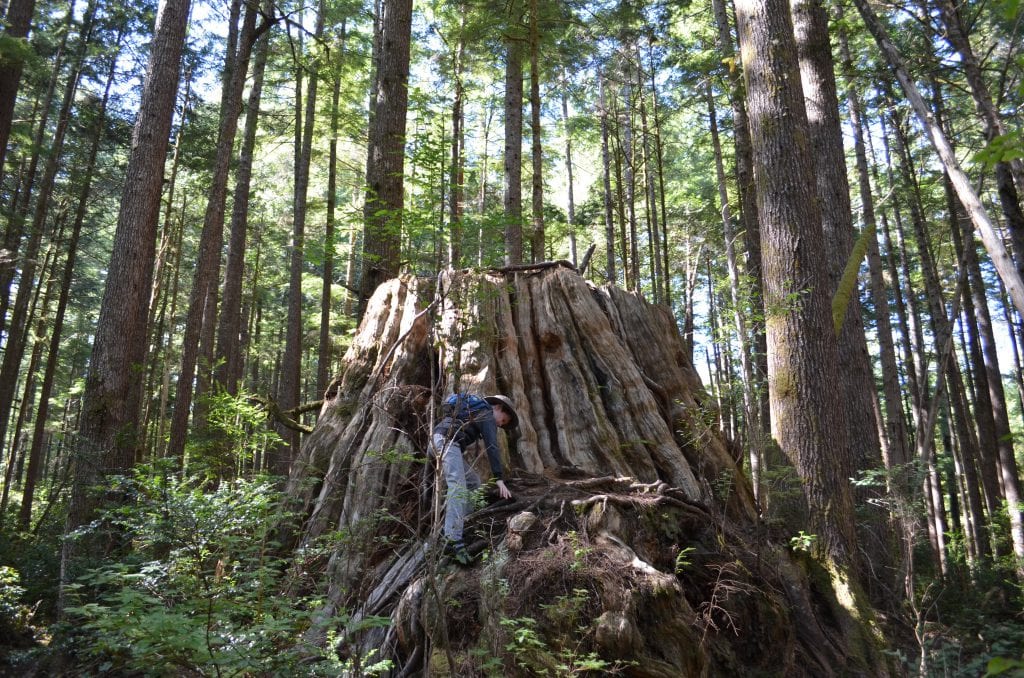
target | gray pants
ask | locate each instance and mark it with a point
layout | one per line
(461, 480)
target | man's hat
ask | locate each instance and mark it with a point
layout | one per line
(507, 404)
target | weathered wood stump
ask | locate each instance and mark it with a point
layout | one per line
(632, 541)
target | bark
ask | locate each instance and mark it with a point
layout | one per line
(536, 152)
(566, 124)
(17, 22)
(324, 357)
(386, 154)
(289, 389)
(57, 326)
(108, 429)
(456, 181)
(513, 152)
(817, 76)
(609, 219)
(751, 409)
(747, 199)
(807, 419)
(15, 347)
(202, 296)
(609, 438)
(229, 359)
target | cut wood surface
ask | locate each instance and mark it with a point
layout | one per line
(627, 499)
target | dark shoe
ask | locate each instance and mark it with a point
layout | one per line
(457, 551)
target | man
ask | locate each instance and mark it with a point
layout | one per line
(469, 418)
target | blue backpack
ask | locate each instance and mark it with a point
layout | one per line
(465, 406)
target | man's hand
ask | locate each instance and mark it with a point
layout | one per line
(503, 491)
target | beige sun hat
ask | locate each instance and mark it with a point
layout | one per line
(509, 407)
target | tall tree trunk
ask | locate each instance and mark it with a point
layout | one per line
(950, 376)
(659, 170)
(536, 153)
(513, 152)
(289, 391)
(609, 219)
(229, 358)
(627, 247)
(456, 181)
(567, 126)
(108, 429)
(896, 442)
(650, 181)
(1004, 265)
(1009, 199)
(236, 64)
(807, 419)
(14, 230)
(386, 154)
(628, 155)
(751, 409)
(751, 227)
(14, 350)
(16, 27)
(485, 170)
(817, 75)
(57, 327)
(324, 354)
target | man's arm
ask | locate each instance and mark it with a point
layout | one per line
(489, 432)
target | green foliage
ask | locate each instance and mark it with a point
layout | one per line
(848, 282)
(683, 559)
(200, 590)
(236, 429)
(1003, 148)
(1001, 666)
(556, 645)
(803, 541)
(14, 615)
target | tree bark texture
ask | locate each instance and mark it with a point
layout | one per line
(108, 429)
(211, 238)
(747, 199)
(536, 152)
(612, 433)
(807, 419)
(817, 75)
(228, 371)
(513, 196)
(289, 389)
(382, 238)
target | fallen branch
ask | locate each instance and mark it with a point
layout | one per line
(539, 266)
(284, 418)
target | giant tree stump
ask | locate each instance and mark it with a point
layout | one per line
(633, 535)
